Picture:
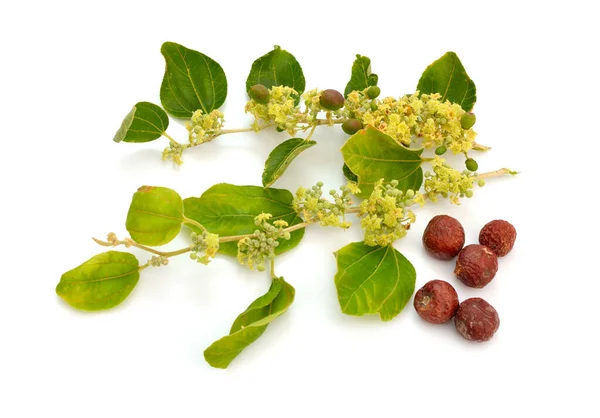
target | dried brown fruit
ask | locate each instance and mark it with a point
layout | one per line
(444, 237)
(436, 302)
(499, 236)
(476, 265)
(331, 99)
(476, 320)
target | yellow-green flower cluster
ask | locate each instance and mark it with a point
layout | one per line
(204, 247)
(281, 110)
(203, 127)
(424, 116)
(260, 246)
(385, 214)
(312, 102)
(448, 182)
(312, 207)
(158, 261)
(173, 152)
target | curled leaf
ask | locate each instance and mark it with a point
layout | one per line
(281, 157)
(145, 122)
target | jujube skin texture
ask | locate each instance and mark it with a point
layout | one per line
(444, 237)
(476, 265)
(436, 302)
(476, 320)
(499, 236)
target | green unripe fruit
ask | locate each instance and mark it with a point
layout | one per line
(373, 92)
(471, 164)
(481, 182)
(374, 106)
(441, 150)
(279, 129)
(468, 120)
(259, 93)
(469, 193)
(352, 126)
(331, 99)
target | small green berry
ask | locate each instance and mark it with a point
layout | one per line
(471, 164)
(468, 120)
(260, 267)
(481, 182)
(410, 193)
(374, 106)
(373, 92)
(279, 129)
(394, 183)
(441, 150)
(259, 93)
(469, 193)
(352, 126)
(319, 184)
(331, 99)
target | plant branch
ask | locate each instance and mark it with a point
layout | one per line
(128, 242)
(498, 173)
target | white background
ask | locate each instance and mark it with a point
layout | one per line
(71, 71)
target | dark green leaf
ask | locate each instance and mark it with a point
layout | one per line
(146, 122)
(373, 155)
(277, 68)
(102, 282)
(251, 324)
(448, 77)
(349, 174)
(361, 77)
(281, 157)
(155, 215)
(192, 81)
(373, 280)
(226, 210)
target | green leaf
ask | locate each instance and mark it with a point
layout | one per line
(277, 68)
(226, 209)
(361, 77)
(155, 215)
(102, 282)
(349, 174)
(192, 81)
(373, 155)
(448, 77)
(251, 324)
(281, 157)
(373, 280)
(145, 122)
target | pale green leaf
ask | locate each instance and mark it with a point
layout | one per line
(251, 324)
(102, 282)
(155, 215)
(226, 209)
(372, 155)
(372, 280)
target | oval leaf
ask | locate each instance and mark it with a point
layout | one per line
(102, 282)
(251, 324)
(226, 210)
(155, 215)
(373, 280)
(361, 77)
(277, 68)
(144, 123)
(448, 77)
(192, 81)
(372, 155)
(281, 157)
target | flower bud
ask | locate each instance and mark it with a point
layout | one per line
(352, 126)
(259, 93)
(471, 164)
(373, 92)
(331, 99)
(468, 120)
(374, 106)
